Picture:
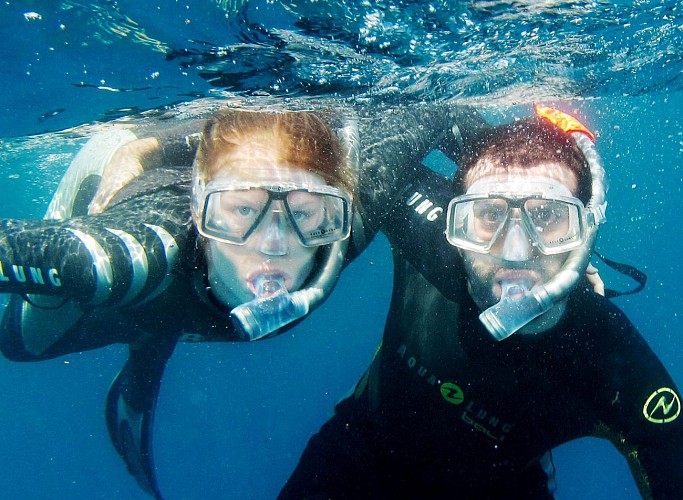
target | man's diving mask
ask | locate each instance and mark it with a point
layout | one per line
(553, 220)
(232, 211)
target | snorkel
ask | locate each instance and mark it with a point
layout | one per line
(512, 313)
(273, 307)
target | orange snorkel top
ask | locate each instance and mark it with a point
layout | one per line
(562, 120)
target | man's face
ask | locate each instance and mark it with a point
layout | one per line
(514, 261)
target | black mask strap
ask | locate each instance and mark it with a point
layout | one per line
(627, 270)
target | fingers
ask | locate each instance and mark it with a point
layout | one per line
(593, 277)
(110, 184)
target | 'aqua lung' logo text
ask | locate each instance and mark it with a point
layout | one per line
(424, 206)
(662, 406)
(418, 368)
(24, 274)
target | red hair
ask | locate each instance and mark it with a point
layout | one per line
(302, 139)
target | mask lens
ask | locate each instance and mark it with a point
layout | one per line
(489, 216)
(306, 210)
(556, 224)
(318, 218)
(231, 215)
(475, 224)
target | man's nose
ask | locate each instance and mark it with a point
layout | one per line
(516, 246)
(274, 234)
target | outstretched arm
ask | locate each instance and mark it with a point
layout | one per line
(395, 140)
(402, 197)
(65, 269)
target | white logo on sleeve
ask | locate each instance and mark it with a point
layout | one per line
(662, 406)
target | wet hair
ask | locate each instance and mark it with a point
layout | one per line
(302, 139)
(520, 145)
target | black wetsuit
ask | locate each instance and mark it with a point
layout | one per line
(446, 411)
(159, 198)
(153, 210)
(391, 147)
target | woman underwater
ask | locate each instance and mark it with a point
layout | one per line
(270, 204)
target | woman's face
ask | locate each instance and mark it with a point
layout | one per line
(273, 248)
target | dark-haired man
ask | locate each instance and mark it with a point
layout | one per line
(493, 353)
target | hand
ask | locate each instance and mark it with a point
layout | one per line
(595, 280)
(127, 162)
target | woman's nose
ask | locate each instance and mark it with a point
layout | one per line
(516, 246)
(274, 234)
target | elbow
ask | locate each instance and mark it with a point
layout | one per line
(11, 339)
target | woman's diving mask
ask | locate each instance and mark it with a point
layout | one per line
(233, 211)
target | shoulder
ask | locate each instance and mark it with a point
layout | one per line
(589, 308)
(161, 198)
(601, 334)
(171, 179)
(594, 323)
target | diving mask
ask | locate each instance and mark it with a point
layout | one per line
(554, 220)
(232, 211)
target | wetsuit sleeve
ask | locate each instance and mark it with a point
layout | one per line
(407, 200)
(120, 257)
(395, 140)
(415, 227)
(639, 406)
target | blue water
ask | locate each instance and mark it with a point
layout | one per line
(233, 419)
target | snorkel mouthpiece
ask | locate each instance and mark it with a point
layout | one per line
(517, 307)
(271, 309)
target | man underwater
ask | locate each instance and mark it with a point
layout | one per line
(493, 352)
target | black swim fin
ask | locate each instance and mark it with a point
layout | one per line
(131, 403)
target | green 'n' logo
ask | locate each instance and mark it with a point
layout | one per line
(452, 393)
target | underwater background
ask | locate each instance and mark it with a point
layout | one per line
(232, 419)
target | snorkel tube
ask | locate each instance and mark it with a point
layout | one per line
(508, 315)
(274, 307)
